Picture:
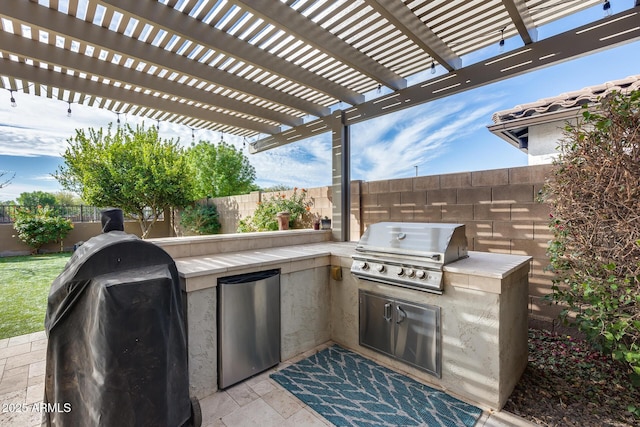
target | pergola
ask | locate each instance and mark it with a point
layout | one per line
(283, 70)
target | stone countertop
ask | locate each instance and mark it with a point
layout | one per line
(217, 264)
(484, 264)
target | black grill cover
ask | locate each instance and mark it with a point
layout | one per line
(117, 353)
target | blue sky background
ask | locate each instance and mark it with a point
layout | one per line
(443, 136)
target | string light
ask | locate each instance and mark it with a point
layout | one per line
(433, 67)
(69, 109)
(12, 100)
(606, 7)
(501, 44)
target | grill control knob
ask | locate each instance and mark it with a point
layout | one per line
(399, 271)
(363, 265)
(421, 274)
(380, 268)
(410, 273)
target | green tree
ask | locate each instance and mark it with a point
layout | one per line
(131, 169)
(39, 226)
(66, 198)
(276, 188)
(201, 219)
(36, 198)
(220, 170)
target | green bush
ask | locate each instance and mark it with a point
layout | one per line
(264, 218)
(595, 251)
(201, 219)
(40, 226)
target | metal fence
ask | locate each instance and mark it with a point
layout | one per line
(76, 213)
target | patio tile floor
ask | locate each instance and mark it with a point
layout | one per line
(256, 401)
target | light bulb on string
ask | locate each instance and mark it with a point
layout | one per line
(13, 100)
(69, 109)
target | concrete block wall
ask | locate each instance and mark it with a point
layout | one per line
(11, 245)
(233, 209)
(498, 207)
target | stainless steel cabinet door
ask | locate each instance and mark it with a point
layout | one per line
(376, 323)
(417, 335)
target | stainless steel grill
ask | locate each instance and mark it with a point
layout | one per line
(408, 254)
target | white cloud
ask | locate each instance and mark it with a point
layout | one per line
(390, 147)
(302, 164)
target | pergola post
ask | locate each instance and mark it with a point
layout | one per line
(341, 177)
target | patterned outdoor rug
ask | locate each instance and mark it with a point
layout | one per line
(349, 390)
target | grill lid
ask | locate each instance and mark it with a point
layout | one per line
(442, 243)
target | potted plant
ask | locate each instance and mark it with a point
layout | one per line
(283, 220)
(326, 223)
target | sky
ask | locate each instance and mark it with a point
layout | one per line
(443, 136)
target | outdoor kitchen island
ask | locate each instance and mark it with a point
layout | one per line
(483, 307)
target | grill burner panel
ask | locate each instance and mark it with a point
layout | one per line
(401, 274)
(409, 254)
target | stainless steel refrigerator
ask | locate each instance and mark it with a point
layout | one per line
(248, 325)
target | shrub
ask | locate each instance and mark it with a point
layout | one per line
(201, 219)
(264, 218)
(595, 252)
(41, 226)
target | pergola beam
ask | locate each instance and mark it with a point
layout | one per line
(27, 48)
(597, 36)
(323, 40)
(62, 81)
(42, 18)
(199, 32)
(519, 13)
(412, 27)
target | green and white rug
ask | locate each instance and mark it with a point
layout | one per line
(349, 390)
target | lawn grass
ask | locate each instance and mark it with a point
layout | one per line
(24, 288)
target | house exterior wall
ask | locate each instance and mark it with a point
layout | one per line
(543, 141)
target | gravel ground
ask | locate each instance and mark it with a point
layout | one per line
(567, 383)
